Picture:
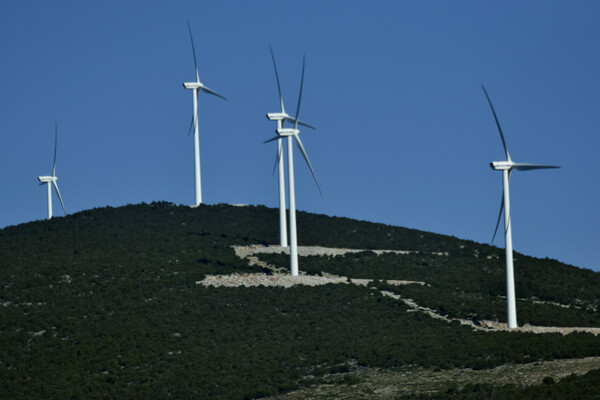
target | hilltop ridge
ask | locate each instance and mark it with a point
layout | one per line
(106, 303)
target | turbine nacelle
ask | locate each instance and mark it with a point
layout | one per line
(200, 86)
(280, 116)
(192, 85)
(287, 132)
(47, 179)
(283, 116)
(502, 165)
(510, 165)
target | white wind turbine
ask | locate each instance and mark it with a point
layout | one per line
(507, 167)
(51, 180)
(294, 132)
(196, 87)
(281, 117)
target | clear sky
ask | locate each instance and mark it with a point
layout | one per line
(404, 133)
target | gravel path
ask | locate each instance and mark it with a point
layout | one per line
(486, 325)
(245, 251)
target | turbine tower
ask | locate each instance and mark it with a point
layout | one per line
(281, 117)
(507, 167)
(196, 87)
(289, 133)
(51, 180)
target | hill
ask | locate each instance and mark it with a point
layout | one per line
(107, 303)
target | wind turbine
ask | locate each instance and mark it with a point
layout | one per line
(289, 133)
(281, 117)
(196, 87)
(51, 180)
(507, 167)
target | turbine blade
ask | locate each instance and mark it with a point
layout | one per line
(497, 123)
(279, 149)
(300, 95)
(277, 78)
(501, 209)
(301, 147)
(210, 91)
(293, 120)
(193, 50)
(59, 197)
(499, 217)
(55, 145)
(306, 125)
(529, 167)
(192, 126)
(272, 139)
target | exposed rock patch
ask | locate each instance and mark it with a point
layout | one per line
(250, 280)
(286, 280)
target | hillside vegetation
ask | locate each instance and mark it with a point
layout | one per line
(104, 304)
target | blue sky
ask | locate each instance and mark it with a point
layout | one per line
(404, 133)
